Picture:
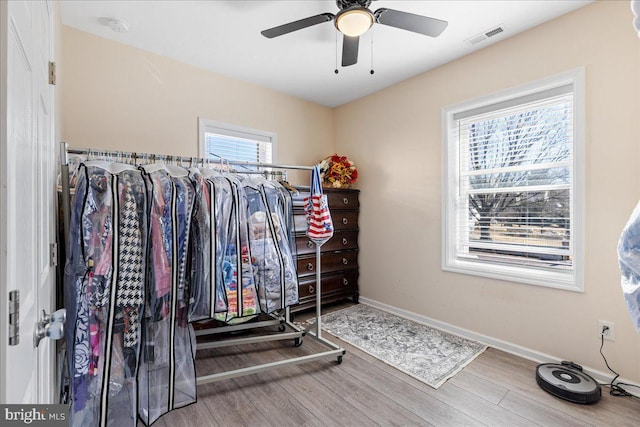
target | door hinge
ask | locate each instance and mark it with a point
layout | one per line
(52, 73)
(53, 255)
(14, 317)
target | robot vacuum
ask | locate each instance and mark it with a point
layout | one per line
(567, 381)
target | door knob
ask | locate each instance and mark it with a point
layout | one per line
(58, 316)
(53, 331)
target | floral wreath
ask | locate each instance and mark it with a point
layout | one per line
(338, 172)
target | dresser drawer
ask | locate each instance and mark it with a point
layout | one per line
(343, 200)
(338, 199)
(341, 240)
(342, 220)
(331, 261)
(331, 283)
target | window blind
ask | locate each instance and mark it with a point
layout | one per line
(236, 148)
(515, 180)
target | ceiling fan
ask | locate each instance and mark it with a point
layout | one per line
(354, 19)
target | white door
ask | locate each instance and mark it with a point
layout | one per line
(27, 197)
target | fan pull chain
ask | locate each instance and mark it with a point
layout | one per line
(372, 72)
(336, 70)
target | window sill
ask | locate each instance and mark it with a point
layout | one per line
(566, 280)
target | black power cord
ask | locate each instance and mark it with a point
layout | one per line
(615, 389)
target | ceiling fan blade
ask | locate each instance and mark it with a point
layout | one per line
(350, 50)
(297, 25)
(410, 22)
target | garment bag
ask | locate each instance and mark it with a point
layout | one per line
(629, 260)
(104, 293)
(274, 268)
(286, 207)
(212, 299)
(167, 373)
(202, 256)
(280, 207)
(237, 267)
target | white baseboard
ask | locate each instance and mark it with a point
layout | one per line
(527, 353)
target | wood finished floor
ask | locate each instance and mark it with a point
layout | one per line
(496, 389)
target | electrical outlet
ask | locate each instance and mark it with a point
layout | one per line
(606, 329)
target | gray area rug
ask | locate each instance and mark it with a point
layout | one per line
(425, 353)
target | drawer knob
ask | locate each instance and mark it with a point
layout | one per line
(345, 221)
(345, 241)
(345, 282)
(345, 261)
(345, 200)
(310, 266)
(311, 289)
(309, 244)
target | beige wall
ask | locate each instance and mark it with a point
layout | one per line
(121, 98)
(394, 136)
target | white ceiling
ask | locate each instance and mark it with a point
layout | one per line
(224, 36)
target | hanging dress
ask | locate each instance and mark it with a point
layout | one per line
(104, 293)
(166, 377)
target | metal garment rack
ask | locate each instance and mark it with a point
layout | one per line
(281, 320)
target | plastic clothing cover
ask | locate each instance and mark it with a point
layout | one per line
(220, 210)
(104, 291)
(166, 378)
(74, 161)
(211, 217)
(287, 212)
(274, 268)
(629, 260)
(237, 269)
(202, 265)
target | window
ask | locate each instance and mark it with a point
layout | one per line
(235, 143)
(513, 188)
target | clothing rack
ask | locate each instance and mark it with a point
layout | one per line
(282, 321)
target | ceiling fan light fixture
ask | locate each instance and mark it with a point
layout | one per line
(354, 21)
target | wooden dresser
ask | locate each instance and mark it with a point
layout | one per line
(339, 256)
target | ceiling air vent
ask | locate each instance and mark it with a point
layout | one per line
(485, 35)
(493, 32)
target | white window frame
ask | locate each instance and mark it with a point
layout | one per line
(573, 279)
(211, 126)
